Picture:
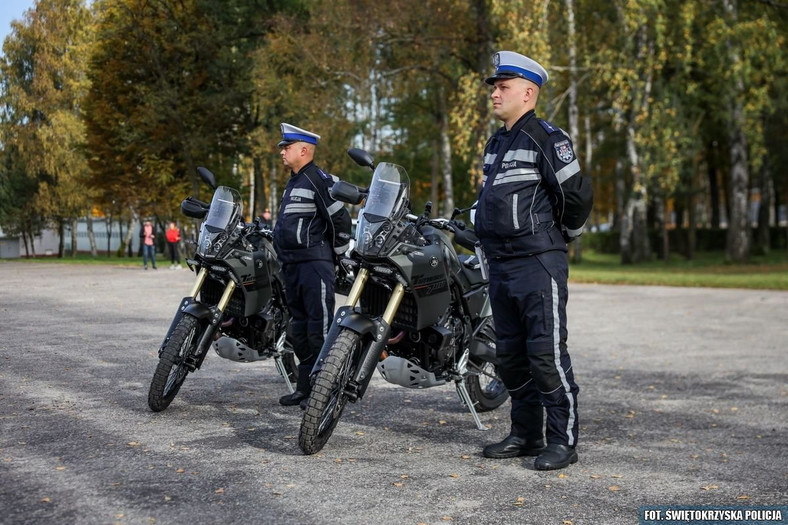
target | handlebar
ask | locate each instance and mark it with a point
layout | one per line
(462, 235)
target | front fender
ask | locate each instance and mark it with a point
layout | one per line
(345, 317)
(198, 310)
(188, 306)
(359, 323)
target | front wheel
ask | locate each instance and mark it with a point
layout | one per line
(171, 370)
(327, 399)
(485, 387)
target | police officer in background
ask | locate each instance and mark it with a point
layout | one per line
(311, 230)
(532, 202)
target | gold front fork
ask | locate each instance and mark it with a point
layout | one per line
(358, 285)
(394, 301)
(391, 308)
(228, 293)
(199, 282)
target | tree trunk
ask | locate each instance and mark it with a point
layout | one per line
(27, 247)
(574, 119)
(738, 241)
(74, 237)
(635, 248)
(435, 170)
(273, 191)
(108, 220)
(261, 200)
(445, 153)
(91, 235)
(714, 193)
(129, 237)
(61, 232)
(252, 195)
(662, 206)
(763, 239)
(621, 190)
(692, 227)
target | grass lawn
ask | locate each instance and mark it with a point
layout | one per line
(709, 269)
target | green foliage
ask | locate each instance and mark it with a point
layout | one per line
(114, 106)
(43, 85)
(172, 83)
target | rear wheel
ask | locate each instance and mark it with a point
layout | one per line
(485, 387)
(328, 400)
(172, 370)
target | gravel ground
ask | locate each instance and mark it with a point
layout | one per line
(683, 402)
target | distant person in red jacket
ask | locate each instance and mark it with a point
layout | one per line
(173, 238)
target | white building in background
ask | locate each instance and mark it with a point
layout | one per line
(46, 244)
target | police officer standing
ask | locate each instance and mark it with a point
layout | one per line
(532, 202)
(311, 230)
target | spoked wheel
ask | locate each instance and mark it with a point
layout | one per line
(171, 370)
(485, 387)
(328, 399)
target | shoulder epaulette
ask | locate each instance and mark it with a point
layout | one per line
(549, 128)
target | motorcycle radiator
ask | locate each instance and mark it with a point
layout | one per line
(400, 371)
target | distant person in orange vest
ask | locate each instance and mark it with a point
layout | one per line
(173, 238)
(147, 235)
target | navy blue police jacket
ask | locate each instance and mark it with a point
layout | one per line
(533, 197)
(311, 225)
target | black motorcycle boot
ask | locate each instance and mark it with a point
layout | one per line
(555, 457)
(303, 388)
(525, 437)
(293, 399)
(513, 446)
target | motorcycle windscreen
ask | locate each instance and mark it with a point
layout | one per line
(226, 208)
(384, 206)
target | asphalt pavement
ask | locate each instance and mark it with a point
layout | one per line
(683, 396)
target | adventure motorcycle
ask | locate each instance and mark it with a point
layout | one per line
(417, 311)
(241, 310)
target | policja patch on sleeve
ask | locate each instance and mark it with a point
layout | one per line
(564, 151)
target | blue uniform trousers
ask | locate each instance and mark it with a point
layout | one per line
(309, 287)
(529, 296)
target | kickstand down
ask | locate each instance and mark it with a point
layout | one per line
(462, 389)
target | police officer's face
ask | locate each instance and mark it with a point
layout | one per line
(512, 98)
(290, 155)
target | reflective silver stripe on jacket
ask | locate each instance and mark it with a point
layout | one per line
(303, 193)
(523, 155)
(568, 171)
(575, 232)
(515, 220)
(300, 208)
(334, 208)
(517, 175)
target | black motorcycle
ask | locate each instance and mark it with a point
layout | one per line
(417, 311)
(241, 311)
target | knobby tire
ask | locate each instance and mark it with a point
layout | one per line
(171, 370)
(327, 399)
